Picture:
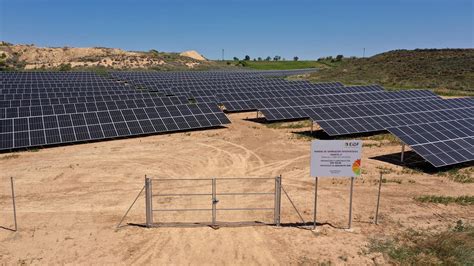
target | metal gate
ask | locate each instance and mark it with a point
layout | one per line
(213, 195)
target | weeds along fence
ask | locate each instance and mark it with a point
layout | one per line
(161, 193)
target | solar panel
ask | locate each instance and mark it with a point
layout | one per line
(291, 108)
(440, 143)
(68, 128)
(350, 119)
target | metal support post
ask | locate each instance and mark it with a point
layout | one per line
(14, 205)
(257, 114)
(403, 153)
(277, 212)
(148, 201)
(214, 201)
(315, 201)
(350, 203)
(378, 200)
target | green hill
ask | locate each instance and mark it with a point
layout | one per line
(447, 71)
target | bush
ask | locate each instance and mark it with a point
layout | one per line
(65, 67)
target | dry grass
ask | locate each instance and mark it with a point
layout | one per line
(454, 246)
(9, 156)
(462, 200)
(448, 71)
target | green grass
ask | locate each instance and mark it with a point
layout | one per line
(397, 181)
(281, 65)
(453, 246)
(289, 125)
(386, 138)
(460, 175)
(461, 200)
(446, 71)
(385, 169)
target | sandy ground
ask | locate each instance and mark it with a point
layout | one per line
(70, 199)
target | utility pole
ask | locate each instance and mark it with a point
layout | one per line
(363, 54)
(222, 54)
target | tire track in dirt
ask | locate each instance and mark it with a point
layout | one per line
(275, 166)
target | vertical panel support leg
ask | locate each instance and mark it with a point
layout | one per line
(403, 153)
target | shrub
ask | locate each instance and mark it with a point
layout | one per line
(65, 67)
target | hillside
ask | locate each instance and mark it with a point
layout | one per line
(30, 57)
(449, 71)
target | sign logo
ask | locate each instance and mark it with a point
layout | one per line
(352, 144)
(356, 167)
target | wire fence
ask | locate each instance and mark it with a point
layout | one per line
(8, 203)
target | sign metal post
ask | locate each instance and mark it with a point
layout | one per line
(315, 201)
(335, 158)
(350, 202)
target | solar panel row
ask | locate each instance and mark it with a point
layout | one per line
(68, 128)
(440, 143)
(291, 108)
(49, 108)
(123, 97)
(352, 119)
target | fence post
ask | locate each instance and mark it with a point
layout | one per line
(277, 214)
(148, 202)
(378, 200)
(14, 204)
(214, 201)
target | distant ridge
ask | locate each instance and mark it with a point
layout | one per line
(31, 57)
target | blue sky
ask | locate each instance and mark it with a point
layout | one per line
(308, 29)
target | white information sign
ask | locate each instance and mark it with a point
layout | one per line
(336, 158)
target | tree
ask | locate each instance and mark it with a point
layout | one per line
(268, 58)
(276, 58)
(247, 58)
(236, 58)
(339, 57)
(295, 58)
(259, 58)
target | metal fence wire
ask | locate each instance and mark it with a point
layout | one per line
(213, 195)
